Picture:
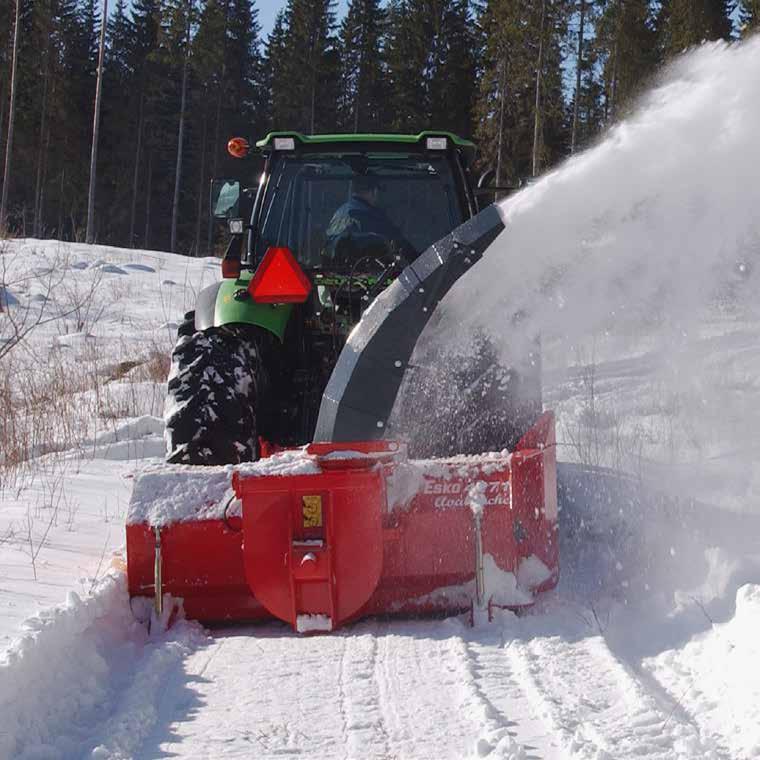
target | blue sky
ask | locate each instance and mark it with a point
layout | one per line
(268, 10)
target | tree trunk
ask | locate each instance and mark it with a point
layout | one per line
(180, 141)
(214, 166)
(41, 146)
(612, 105)
(90, 233)
(146, 237)
(357, 98)
(313, 102)
(60, 205)
(578, 66)
(2, 107)
(201, 185)
(11, 119)
(500, 138)
(539, 71)
(43, 184)
(136, 175)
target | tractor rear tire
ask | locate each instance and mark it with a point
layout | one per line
(216, 380)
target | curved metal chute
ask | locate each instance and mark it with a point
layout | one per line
(362, 389)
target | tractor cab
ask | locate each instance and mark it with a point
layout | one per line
(332, 222)
(349, 204)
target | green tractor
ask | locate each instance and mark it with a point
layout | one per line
(342, 227)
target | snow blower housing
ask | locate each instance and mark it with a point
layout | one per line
(350, 243)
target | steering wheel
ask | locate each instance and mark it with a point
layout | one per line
(364, 246)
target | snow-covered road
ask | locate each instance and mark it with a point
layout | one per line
(546, 686)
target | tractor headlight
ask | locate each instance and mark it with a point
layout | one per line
(236, 226)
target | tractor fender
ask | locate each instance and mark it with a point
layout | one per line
(228, 302)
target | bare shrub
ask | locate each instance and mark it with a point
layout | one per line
(49, 281)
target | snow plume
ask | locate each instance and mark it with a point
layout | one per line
(641, 249)
(644, 225)
(638, 263)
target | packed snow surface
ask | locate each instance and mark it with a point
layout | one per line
(626, 260)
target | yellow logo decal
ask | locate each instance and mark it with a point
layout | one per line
(312, 511)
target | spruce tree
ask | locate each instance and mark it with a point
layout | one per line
(144, 74)
(310, 67)
(208, 64)
(585, 114)
(682, 24)
(276, 73)
(409, 47)
(628, 52)
(11, 121)
(243, 69)
(362, 100)
(520, 108)
(749, 16)
(454, 60)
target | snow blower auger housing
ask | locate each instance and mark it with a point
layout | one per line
(341, 478)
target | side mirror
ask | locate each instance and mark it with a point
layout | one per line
(225, 199)
(486, 178)
(485, 188)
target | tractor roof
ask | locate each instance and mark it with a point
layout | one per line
(268, 143)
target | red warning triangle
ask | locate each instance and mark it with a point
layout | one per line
(279, 279)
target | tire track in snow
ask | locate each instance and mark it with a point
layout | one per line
(496, 737)
(507, 707)
(264, 693)
(426, 712)
(364, 726)
(599, 708)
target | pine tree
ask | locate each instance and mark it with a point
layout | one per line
(749, 16)
(433, 50)
(409, 47)
(276, 73)
(585, 108)
(627, 48)
(145, 74)
(92, 187)
(454, 61)
(682, 24)
(310, 67)
(173, 59)
(120, 117)
(208, 64)
(9, 144)
(520, 109)
(243, 66)
(362, 102)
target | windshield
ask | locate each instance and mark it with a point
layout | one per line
(332, 210)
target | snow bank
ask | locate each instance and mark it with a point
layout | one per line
(715, 676)
(79, 663)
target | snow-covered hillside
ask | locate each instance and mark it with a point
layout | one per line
(648, 648)
(88, 400)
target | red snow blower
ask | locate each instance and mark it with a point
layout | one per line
(430, 485)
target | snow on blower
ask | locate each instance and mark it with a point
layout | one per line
(315, 473)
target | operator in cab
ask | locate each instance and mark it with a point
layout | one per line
(360, 227)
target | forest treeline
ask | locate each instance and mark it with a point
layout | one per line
(530, 81)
